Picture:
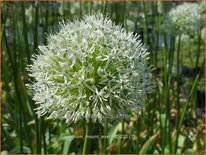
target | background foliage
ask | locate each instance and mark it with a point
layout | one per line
(173, 118)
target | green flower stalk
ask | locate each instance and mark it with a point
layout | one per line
(203, 34)
(90, 69)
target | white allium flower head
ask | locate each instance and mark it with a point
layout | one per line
(90, 69)
(185, 18)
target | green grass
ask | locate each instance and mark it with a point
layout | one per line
(172, 120)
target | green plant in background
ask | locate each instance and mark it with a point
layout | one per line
(183, 20)
(172, 121)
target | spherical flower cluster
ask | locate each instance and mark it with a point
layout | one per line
(90, 69)
(185, 18)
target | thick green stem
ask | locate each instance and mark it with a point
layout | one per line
(147, 25)
(171, 56)
(25, 28)
(198, 53)
(178, 93)
(80, 9)
(105, 134)
(90, 7)
(104, 7)
(43, 134)
(138, 133)
(36, 28)
(87, 138)
(121, 140)
(46, 25)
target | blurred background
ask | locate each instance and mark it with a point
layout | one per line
(173, 118)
